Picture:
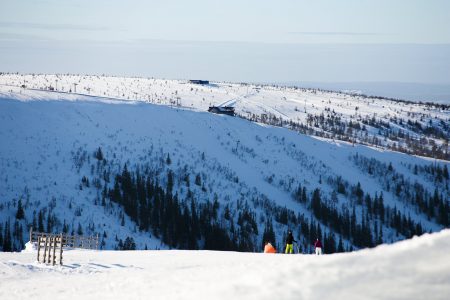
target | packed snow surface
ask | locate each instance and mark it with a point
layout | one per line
(412, 269)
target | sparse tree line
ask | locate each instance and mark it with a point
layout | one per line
(149, 198)
(187, 223)
(179, 223)
(330, 125)
(435, 205)
(361, 223)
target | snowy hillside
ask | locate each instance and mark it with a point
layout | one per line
(409, 127)
(413, 269)
(179, 177)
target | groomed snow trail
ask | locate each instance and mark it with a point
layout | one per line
(412, 269)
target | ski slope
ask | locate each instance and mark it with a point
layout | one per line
(48, 139)
(286, 102)
(412, 269)
(409, 127)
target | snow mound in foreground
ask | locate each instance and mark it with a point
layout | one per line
(29, 247)
(413, 269)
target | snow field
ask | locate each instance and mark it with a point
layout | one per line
(412, 269)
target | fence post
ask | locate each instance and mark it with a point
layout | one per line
(49, 253)
(50, 248)
(39, 247)
(61, 249)
(45, 249)
(54, 250)
(31, 234)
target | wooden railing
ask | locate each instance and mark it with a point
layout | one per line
(70, 241)
(50, 245)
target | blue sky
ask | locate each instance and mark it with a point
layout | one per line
(270, 41)
(281, 21)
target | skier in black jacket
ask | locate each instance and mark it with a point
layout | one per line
(289, 241)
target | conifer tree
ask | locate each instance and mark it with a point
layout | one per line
(269, 234)
(340, 247)
(445, 172)
(20, 214)
(198, 180)
(65, 227)
(34, 224)
(170, 181)
(129, 244)
(304, 197)
(41, 222)
(7, 242)
(98, 154)
(80, 229)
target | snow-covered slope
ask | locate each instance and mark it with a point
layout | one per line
(404, 126)
(413, 269)
(250, 177)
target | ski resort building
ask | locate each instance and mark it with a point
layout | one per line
(196, 81)
(223, 110)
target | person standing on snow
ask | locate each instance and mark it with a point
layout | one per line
(289, 242)
(318, 246)
(268, 248)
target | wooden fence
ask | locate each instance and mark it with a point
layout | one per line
(51, 245)
(69, 241)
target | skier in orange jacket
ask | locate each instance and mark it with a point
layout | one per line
(268, 248)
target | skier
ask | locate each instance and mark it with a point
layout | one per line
(318, 247)
(289, 242)
(268, 248)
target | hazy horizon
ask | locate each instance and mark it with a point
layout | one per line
(325, 42)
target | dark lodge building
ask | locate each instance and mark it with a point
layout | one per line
(223, 110)
(196, 81)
